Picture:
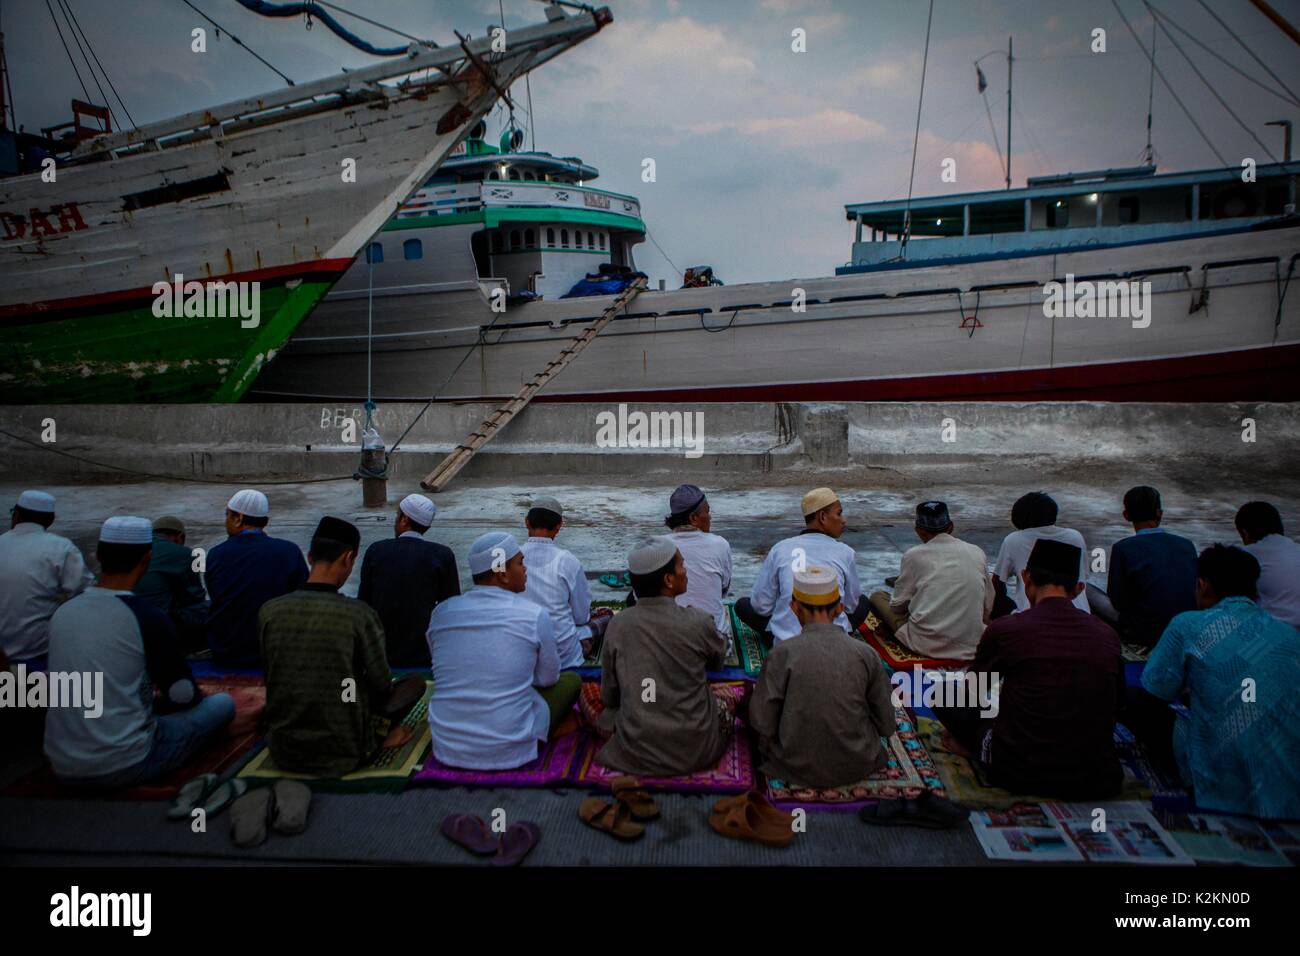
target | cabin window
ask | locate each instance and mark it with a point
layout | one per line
(602, 240)
(591, 240)
(514, 238)
(564, 238)
(530, 239)
(577, 238)
(1058, 214)
(514, 175)
(530, 176)
(1129, 209)
(550, 237)
(494, 175)
(412, 249)
(375, 253)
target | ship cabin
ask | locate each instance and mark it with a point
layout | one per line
(528, 222)
(1073, 211)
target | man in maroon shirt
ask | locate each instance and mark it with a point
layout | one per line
(1062, 681)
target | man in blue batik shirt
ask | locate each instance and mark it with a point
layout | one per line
(1238, 747)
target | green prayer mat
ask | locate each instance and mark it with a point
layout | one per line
(388, 772)
(750, 646)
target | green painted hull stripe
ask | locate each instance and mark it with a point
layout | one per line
(495, 217)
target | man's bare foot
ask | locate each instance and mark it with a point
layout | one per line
(399, 735)
(587, 644)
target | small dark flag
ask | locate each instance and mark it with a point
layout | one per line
(983, 83)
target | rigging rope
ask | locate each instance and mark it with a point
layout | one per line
(1169, 86)
(916, 136)
(312, 9)
(1201, 76)
(1277, 79)
(103, 97)
(67, 4)
(66, 50)
(238, 42)
(376, 23)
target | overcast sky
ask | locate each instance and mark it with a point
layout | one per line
(757, 148)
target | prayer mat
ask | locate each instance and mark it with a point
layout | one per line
(590, 666)
(751, 648)
(733, 773)
(554, 765)
(967, 782)
(895, 655)
(388, 772)
(909, 773)
(1134, 652)
(221, 757)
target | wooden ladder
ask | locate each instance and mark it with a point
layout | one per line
(459, 457)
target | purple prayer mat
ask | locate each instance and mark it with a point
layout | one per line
(556, 764)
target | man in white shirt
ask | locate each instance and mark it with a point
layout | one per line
(498, 689)
(1034, 516)
(38, 572)
(943, 596)
(707, 556)
(768, 606)
(558, 584)
(1260, 527)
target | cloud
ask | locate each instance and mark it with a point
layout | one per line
(820, 128)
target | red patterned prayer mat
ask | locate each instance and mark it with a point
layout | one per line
(733, 773)
(909, 773)
(223, 755)
(895, 655)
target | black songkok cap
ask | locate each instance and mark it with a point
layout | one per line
(336, 529)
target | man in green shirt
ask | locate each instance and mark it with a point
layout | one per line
(328, 688)
(172, 585)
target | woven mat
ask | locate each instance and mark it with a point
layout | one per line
(967, 783)
(221, 757)
(389, 772)
(750, 646)
(895, 655)
(909, 773)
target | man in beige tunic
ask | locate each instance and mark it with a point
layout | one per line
(943, 596)
(822, 704)
(665, 719)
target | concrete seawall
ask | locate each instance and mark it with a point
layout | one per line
(782, 441)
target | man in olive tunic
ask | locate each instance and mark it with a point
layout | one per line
(327, 677)
(654, 683)
(822, 704)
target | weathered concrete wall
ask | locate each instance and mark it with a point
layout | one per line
(250, 441)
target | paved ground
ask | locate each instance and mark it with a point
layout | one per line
(604, 522)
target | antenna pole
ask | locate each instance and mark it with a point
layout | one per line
(1151, 95)
(1010, 60)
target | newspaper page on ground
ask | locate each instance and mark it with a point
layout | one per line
(1120, 832)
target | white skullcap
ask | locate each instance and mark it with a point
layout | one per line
(419, 509)
(249, 502)
(816, 586)
(126, 529)
(649, 556)
(495, 546)
(37, 501)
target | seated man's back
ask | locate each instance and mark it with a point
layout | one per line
(243, 573)
(678, 731)
(1240, 747)
(404, 579)
(946, 585)
(313, 641)
(820, 707)
(1152, 577)
(489, 648)
(1061, 682)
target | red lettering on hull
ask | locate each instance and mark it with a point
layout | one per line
(68, 216)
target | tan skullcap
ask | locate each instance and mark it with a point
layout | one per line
(817, 499)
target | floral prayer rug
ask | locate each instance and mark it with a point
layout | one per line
(909, 773)
(895, 655)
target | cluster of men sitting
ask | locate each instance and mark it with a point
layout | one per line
(1221, 625)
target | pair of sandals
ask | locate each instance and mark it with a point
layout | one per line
(625, 818)
(749, 816)
(282, 808)
(473, 834)
(207, 792)
(928, 811)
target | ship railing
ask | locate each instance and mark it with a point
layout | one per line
(471, 197)
(542, 42)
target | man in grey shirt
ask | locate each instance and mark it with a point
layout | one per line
(822, 704)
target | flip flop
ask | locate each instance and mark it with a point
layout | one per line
(613, 818)
(250, 817)
(222, 796)
(292, 802)
(191, 795)
(623, 580)
(516, 843)
(727, 802)
(471, 832)
(927, 811)
(629, 792)
(744, 821)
